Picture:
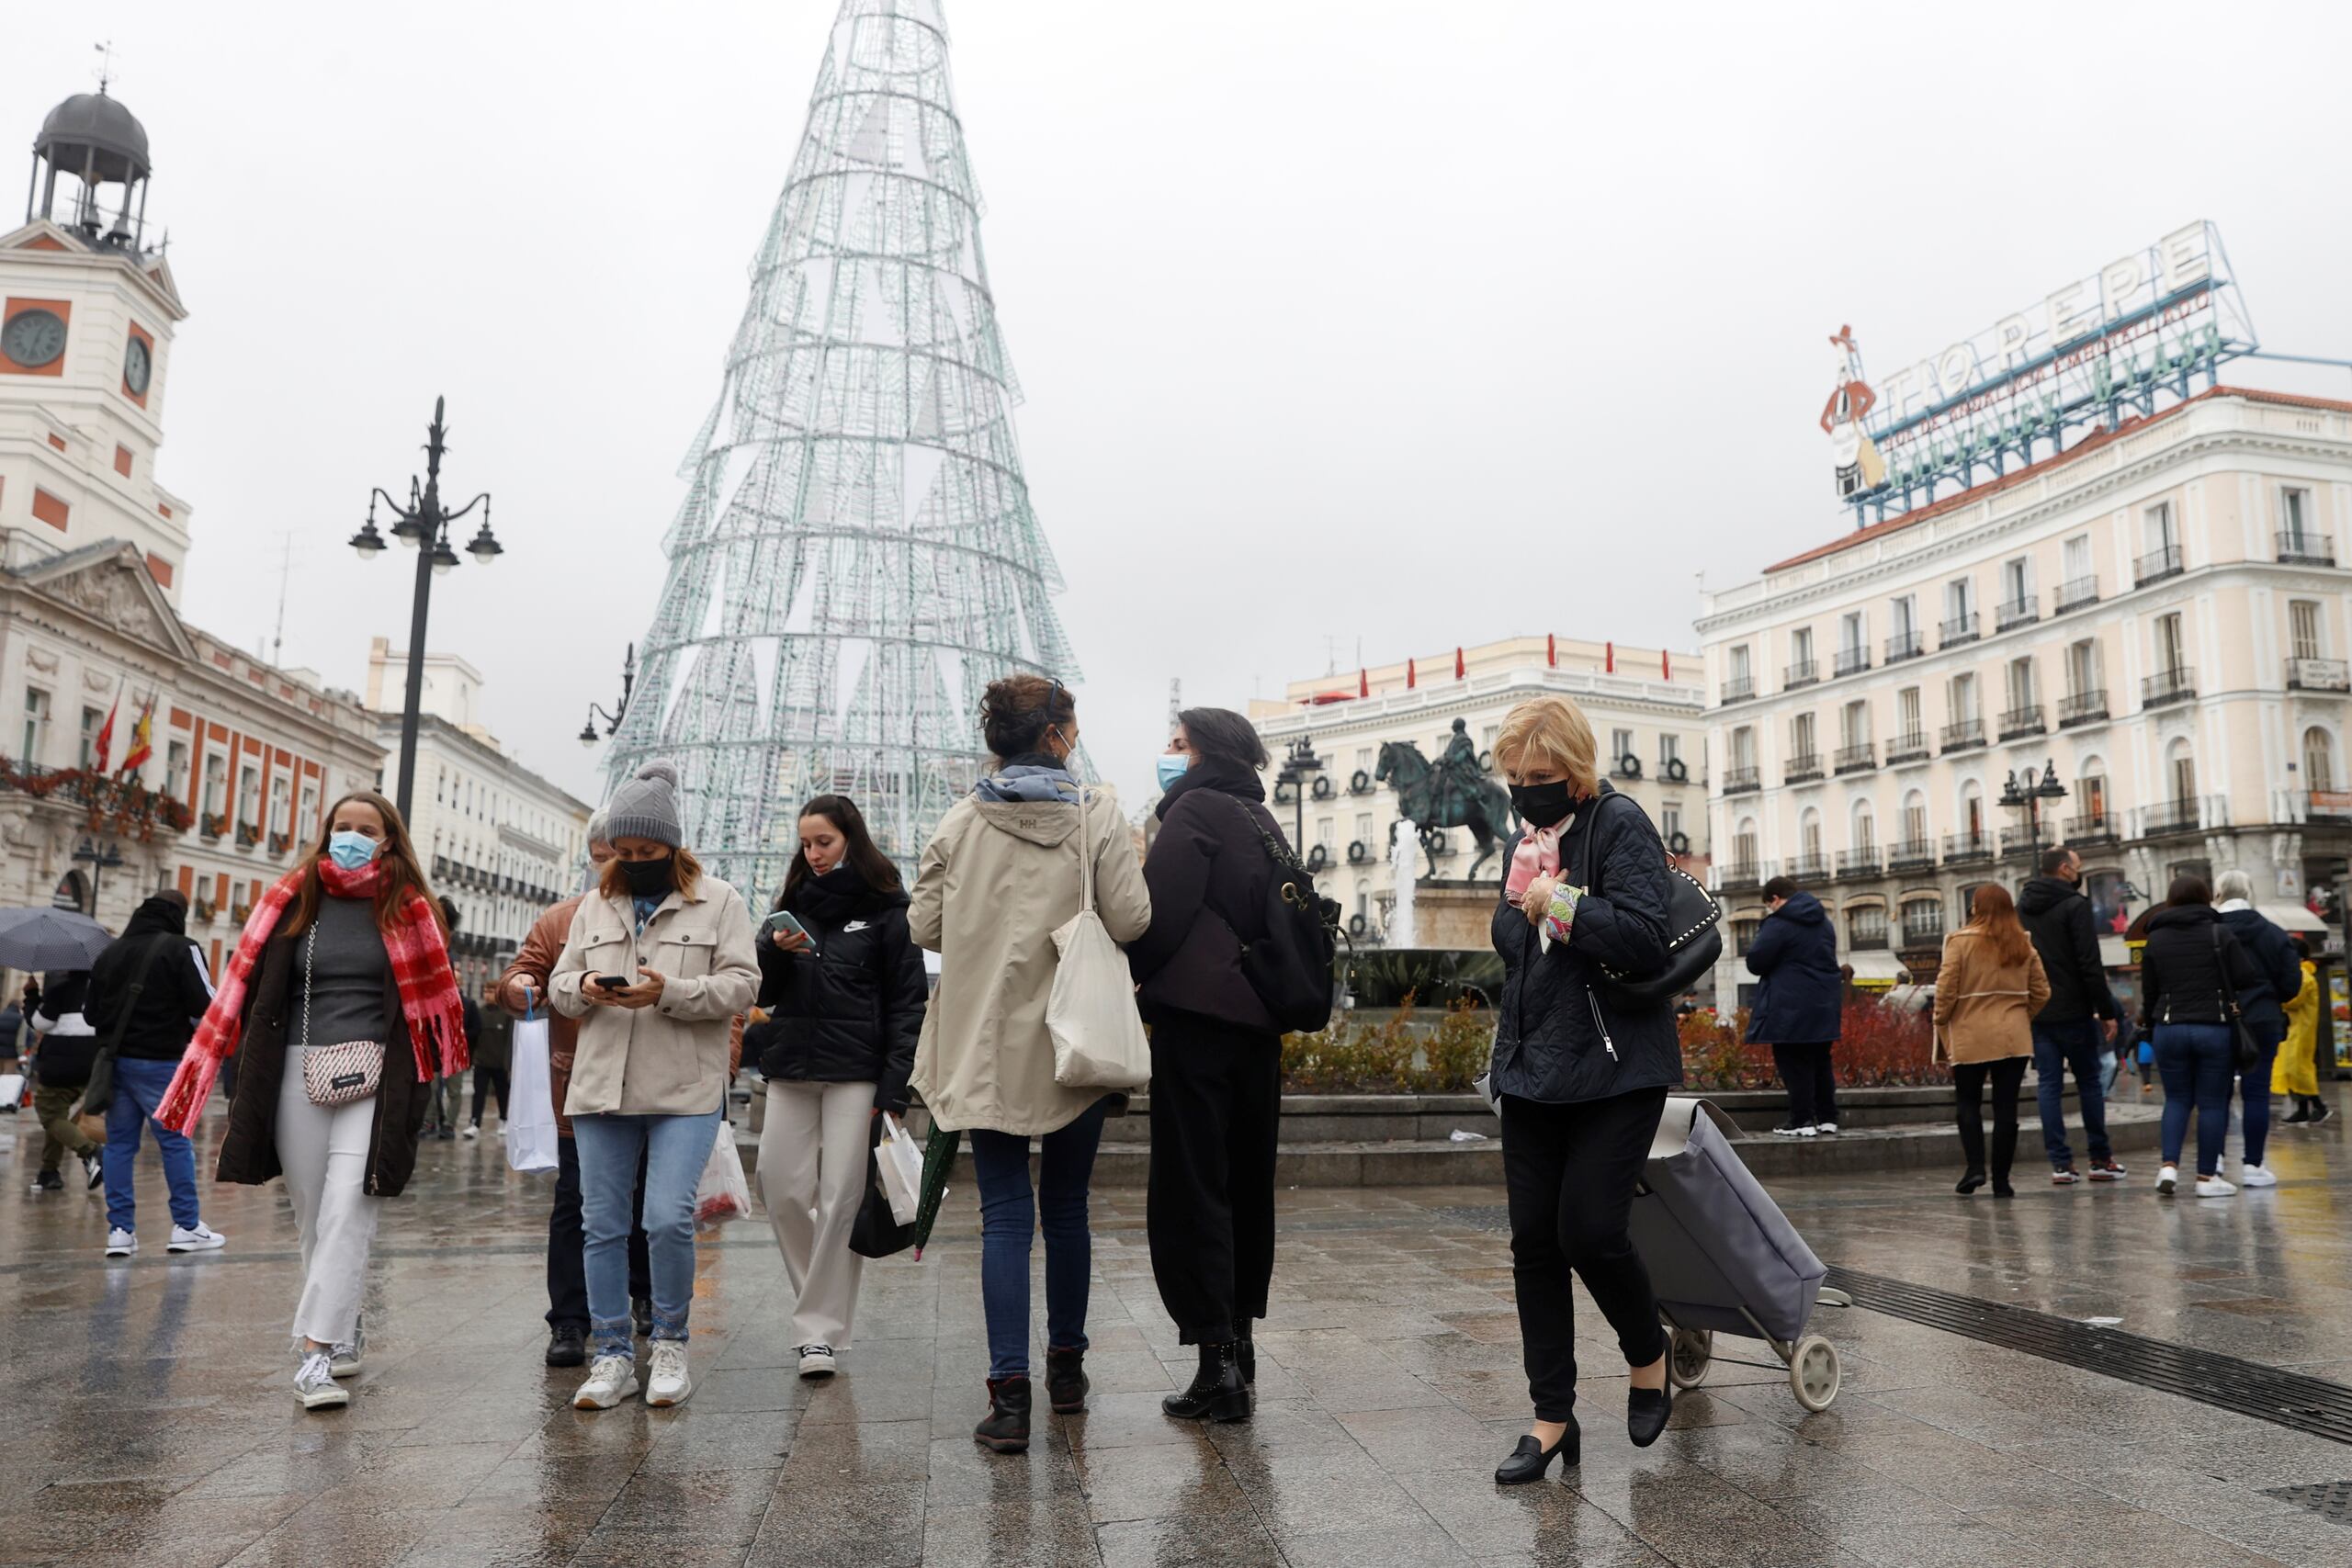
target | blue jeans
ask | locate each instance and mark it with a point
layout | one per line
(2194, 1059)
(2253, 1089)
(1010, 1217)
(675, 1149)
(2059, 1048)
(138, 1090)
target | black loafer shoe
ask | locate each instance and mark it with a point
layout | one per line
(567, 1345)
(1646, 1413)
(1531, 1459)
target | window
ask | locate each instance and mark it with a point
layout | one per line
(1800, 738)
(1669, 749)
(1960, 598)
(1363, 827)
(2091, 790)
(1486, 745)
(1801, 647)
(2021, 684)
(1670, 823)
(1740, 673)
(1972, 810)
(1853, 632)
(2077, 558)
(2082, 668)
(1906, 711)
(1809, 836)
(2017, 580)
(2319, 759)
(281, 799)
(93, 720)
(248, 793)
(216, 784)
(1865, 827)
(1866, 927)
(1914, 819)
(303, 824)
(2294, 511)
(1326, 832)
(2302, 629)
(1363, 757)
(2156, 529)
(1620, 746)
(1854, 724)
(2172, 645)
(174, 768)
(1743, 747)
(1907, 617)
(1962, 698)
(2182, 771)
(1743, 844)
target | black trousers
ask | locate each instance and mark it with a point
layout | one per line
(1813, 1086)
(1216, 1110)
(567, 1241)
(1570, 1171)
(489, 1081)
(1968, 1080)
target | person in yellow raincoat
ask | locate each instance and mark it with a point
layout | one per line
(2295, 1074)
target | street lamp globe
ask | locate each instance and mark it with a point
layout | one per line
(443, 558)
(368, 542)
(485, 548)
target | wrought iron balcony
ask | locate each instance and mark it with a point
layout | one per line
(1910, 747)
(1813, 868)
(1802, 768)
(1960, 849)
(1863, 861)
(2026, 719)
(2164, 686)
(2098, 828)
(1857, 759)
(1958, 630)
(2029, 840)
(1740, 876)
(1904, 645)
(2076, 594)
(1853, 661)
(2317, 675)
(1742, 781)
(1924, 930)
(1964, 735)
(2082, 707)
(2170, 817)
(2018, 612)
(1867, 939)
(2157, 565)
(1738, 689)
(2300, 547)
(1802, 673)
(1911, 854)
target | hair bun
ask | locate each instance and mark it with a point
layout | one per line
(661, 767)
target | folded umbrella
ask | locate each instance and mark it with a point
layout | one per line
(46, 939)
(938, 1156)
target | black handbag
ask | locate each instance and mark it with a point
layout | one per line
(875, 1233)
(1694, 938)
(2246, 1053)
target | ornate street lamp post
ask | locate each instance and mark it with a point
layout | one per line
(2028, 794)
(1299, 770)
(99, 861)
(424, 524)
(588, 736)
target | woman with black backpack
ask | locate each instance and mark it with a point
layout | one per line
(1581, 1067)
(1216, 1055)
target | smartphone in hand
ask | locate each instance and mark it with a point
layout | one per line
(784, 923)
(610, 983)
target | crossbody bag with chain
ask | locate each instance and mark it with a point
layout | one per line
(339, 1074)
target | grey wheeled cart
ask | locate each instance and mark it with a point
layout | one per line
(1722, 1259)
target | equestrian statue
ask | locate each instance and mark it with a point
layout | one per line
(1454, 792)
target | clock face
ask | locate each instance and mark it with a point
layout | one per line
(33, 338)
(137, 365)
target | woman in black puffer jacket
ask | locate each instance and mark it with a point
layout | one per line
(1580, 1073)
(845, 1003)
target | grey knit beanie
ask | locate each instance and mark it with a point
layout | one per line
(646, 806)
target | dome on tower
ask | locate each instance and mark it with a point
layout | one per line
(93, 132)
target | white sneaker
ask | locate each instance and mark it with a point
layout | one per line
(203, 1238)
(470, 1132)
(669, 1383)
(2166, 1180)
(2257, 1176)
(1826, 1129)
(347, 1354)
(314, 1384)
(94, 1170)
(817, 1361)
(2214, 1186)
(611, 1379)
(1793, 1131)
(121, 1243)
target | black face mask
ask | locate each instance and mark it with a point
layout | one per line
(1543, 806)
(646, 878)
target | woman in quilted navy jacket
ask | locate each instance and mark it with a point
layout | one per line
(1581, 1072)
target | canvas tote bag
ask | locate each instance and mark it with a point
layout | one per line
(1098, 1036)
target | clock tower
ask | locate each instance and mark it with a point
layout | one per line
(87, 310)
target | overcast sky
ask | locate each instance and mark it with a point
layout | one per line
(1395, 325)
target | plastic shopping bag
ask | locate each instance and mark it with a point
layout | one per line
(530, 1099)
(12, 1089)
(723, 1194)
(898, 1161)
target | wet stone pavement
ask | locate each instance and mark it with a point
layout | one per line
(149, 1419)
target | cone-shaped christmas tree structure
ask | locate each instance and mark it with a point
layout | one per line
(856, 558)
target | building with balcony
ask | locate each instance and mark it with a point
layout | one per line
(2168, 628)
(1647, 709)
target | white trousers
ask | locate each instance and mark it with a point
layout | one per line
(323, 1150)
(813, 1148)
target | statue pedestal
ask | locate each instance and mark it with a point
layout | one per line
(1456, 914)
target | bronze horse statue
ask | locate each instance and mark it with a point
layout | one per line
(1434, 803)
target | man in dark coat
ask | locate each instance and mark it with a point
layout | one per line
(2068, 1030)
(1799, 1005)
(147, 991)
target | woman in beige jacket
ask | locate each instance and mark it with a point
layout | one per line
(1988, 988)
(658, 963)
(998, 878)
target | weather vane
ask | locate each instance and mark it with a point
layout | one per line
(105, 64)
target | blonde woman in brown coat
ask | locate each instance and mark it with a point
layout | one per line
(1988, 988)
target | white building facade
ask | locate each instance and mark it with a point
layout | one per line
(2156, 620)
(1647, 707)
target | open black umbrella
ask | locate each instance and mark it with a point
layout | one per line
(49, 938)
(938, 1160)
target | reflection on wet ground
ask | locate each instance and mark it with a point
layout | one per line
(151, 1421)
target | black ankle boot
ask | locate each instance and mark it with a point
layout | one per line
(1006, 1430)
(1246, 1352)
(1066, 1383)
(1969, 1183)
(2300, 1114)
(1217, 1391)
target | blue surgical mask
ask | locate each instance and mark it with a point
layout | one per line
(351, 850)
(1174, 766)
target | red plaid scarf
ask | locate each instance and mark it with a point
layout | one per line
(436, 1019)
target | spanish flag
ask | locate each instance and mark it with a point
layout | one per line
(142, 737)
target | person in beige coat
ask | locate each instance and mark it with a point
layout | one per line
(658, 965)
(997, 879)
(1988, 988)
